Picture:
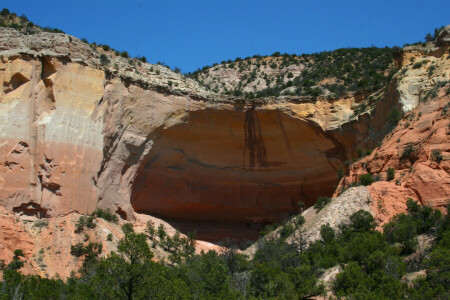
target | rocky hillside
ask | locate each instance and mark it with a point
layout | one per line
(327, 74)
(413, 160)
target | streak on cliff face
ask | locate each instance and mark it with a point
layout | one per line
(254, 141)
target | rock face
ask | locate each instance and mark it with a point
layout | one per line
(76, 135)
(417, 150)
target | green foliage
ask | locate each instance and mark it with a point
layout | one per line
(366, 179)
(417, 65)
(436, 155)
(90, 251)
(127, 228)
(364, 69)
(407, 151)
(16, 263)
(321, 203)
(161, 231)
(362, 221)
(40, 223)
(390, 174)
(104, 60)
(84, 221)
(124, 54)
(4, 12)
(207, 276)
(105, 215)
(394, 117)
(402, 230)
(372, 265)
(151, 229)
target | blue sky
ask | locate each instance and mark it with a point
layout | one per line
(191, 34)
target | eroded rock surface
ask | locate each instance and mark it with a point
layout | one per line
(76, 135)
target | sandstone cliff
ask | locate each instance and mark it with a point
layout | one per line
(79, 131)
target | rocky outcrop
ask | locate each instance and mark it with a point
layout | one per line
(76, 134)
(336, 213)
(46, 243)
(417, 152)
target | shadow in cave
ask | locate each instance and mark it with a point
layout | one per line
(227, 174)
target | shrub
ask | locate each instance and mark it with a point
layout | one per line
(401, 229)
(273, 65)
(407, 151)
(79, 225)
(124, 54)
(106, 215)
(40, 223)
(109, 237)
(390, 174)
(394, 117)
(77, 249)
(4, 12)
(151, 229)
(366, 179)
(18, 253)
(104, 60)
(436, 155)
(417, 65)
(321, 203)
(127, 228)
(362, 221)
(286, 230)
(106, 47)
(359, 153)
(161, 231)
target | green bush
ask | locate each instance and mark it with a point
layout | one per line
(4, 12)
(321, 203)
(407, 151)
(436, 155)
(106, 215)
(417, 65)
(104, 60)
(366, 179)
(394, 117)
(401, 229)
(390, 174)
(362, 221)
(84, 221)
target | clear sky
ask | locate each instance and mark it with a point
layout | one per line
(191, 34)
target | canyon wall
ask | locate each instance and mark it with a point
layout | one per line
(76, 135)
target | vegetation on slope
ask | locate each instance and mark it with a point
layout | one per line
(329, 74)
(326, 73)
(371, 266)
